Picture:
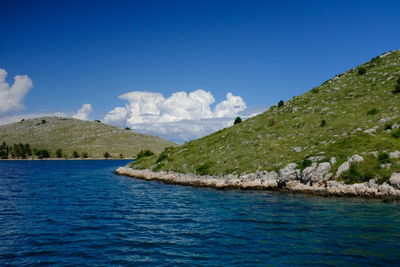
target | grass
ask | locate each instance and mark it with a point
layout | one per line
(93, 138)
(266, 142)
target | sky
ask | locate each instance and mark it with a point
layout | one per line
(179, 69)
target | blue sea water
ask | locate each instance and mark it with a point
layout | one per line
(78, 213)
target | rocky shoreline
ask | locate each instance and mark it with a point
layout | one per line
(289, 179)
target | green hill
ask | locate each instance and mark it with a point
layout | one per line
(92, 137)
(355, 112)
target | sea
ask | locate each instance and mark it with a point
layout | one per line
(79, 213)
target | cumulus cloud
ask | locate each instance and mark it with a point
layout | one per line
(181, 117)
(11, 97)
(84, 112)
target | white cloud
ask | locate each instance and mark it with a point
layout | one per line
(17, 118)
(84, 112)
(181, 117)
(11, 97)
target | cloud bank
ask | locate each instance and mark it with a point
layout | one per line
(181, 117)
(84, 112)
(11, 97)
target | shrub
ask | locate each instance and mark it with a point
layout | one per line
(280, 104)
(59, 153)
(323, 123)
(204, 168)
(361, 70)
(372, 112)
(271, 122)
(305, 163)
(75, 154)
(397, 87)
(388, 126)
(106, 155)
(356, 174)
(396, 133)
(127, 128)
(43, 121)
(383, 158)
(164, 155)
(144, 153)
(85, 155)
(237, 120)
(315, 90)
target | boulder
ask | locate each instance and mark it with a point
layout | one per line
(270, 179)
(346, 165)
(395, 180)
(289, 173)
(394, 155)
(316, 173)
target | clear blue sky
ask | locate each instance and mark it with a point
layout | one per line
(93, 51)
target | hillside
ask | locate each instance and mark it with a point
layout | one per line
(92, 137)
(355, 112)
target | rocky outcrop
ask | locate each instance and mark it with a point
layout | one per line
(395, 180)
(346, 165)
(314, 179)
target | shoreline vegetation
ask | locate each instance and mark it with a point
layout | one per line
(38, 159)
(270, 181)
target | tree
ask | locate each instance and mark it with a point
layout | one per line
(28, 150)
(75, 154)
(106, 155)
(397, 87)
(280, 104)
(59, 153)
(361, 70)
(3, 151)
(144, 153)
(237, 120)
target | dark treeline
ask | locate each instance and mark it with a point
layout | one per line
(21, 151)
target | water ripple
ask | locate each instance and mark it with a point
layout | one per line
(79, 213)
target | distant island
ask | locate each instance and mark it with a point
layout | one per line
(60, 138)
(340, 138)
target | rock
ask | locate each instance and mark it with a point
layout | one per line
(385, 166)
(270, 179)
(355, 158)
(371, 131)
(333, 161)
(316, 173)
(394, 155)
(374, 153)
(395, 180)
(308, 172)
(289, 173)
(316, 158)
(297, 149)
(345, 166)
(383, 120)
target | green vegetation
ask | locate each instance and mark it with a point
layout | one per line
(267, 141)
(323, 123)
(280, 104)
(237, 120)
(305, 163)
(373, 111)
(106, 155)
(203, 169)
(75, 155)
(396, 133)
(59, 153)
(144, 153)
(368, 169)
(397, 87)
(67, 134)
(361, 70)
